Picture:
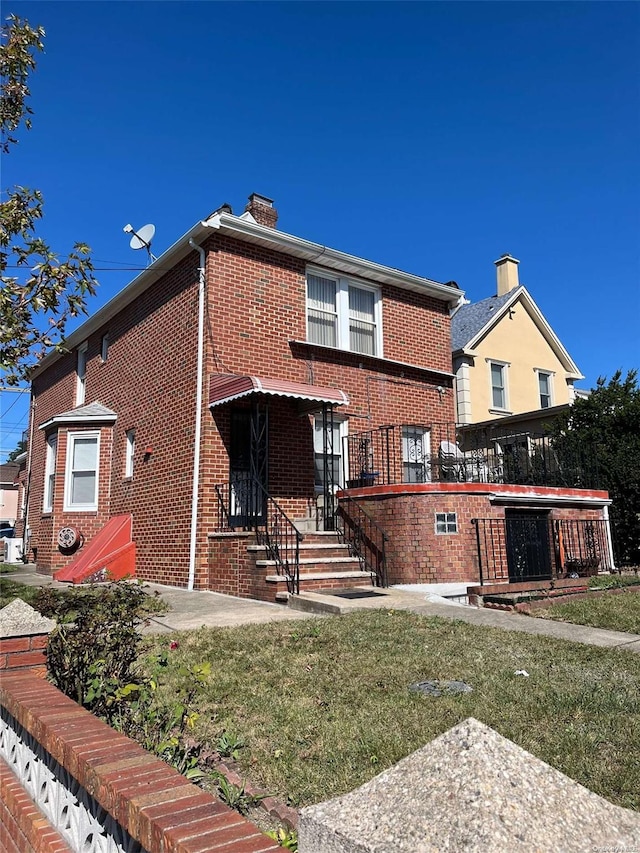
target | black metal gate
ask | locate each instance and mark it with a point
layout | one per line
(534, 547)
(248, 465)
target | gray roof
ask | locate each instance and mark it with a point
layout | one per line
(92, 413)
(470, 319)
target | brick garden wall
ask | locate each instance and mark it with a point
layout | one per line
(155, 804)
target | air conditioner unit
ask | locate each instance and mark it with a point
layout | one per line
(12, 550)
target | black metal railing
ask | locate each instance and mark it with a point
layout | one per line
(444, 452)
(535, 548)
(245, 504)
(366, 539)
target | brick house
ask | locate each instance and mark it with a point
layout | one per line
(219, 418)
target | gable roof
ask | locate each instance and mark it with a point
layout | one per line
(472, 322)
(247, 230)
(472, 317)
(93, 413)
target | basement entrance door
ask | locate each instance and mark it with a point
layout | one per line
(528, 545)
(248, 466)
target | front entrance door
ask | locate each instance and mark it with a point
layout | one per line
(528, 545)
(248, 466)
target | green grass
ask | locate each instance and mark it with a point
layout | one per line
(10, 589)
(323, 705)
(615, 612)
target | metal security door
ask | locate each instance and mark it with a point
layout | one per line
(248, 466)
(528, 545)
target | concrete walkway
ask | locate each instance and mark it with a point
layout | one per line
(198, 609)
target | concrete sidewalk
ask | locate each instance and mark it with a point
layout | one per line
(189, 610)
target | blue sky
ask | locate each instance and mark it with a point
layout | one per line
(432, 137)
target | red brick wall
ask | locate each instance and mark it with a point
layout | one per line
(156, 805)
(26, 652)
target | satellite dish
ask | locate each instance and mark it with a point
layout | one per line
(142, 238)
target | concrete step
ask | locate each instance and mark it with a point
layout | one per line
(328, 564)
(308, 550)
(329, 577)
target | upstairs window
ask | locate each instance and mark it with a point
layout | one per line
(104, 348)
(343, 314)
(322, 312)
(81, 479)
(81, 373)
(498, 372)
(544, 387)
(50, 473)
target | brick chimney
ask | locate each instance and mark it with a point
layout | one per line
(262, 210)
(507, 272)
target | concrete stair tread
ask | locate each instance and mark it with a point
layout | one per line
(321, 576)
(311, 561)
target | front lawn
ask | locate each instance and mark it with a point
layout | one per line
(615, 612)
(324, 705)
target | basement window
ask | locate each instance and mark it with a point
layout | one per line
(446, 522)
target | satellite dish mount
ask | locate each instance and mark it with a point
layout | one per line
(142, 239)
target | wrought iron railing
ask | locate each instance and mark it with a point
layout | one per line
(366, 539)
(444, 452)
(245, 504)
(536, 547)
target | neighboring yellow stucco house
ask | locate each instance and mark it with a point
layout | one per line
(506, 357)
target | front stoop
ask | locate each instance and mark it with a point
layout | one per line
(325, 563)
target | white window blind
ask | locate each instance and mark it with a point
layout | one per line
(323, 315)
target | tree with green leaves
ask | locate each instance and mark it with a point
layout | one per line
(46, 291)
(609, 421)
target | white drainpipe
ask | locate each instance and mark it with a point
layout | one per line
(607, 523)
(198, 423)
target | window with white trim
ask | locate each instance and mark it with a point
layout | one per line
(50, 473)
(130, 452)
(81, 476)
(343, 314)
(446, 522)
(81, 373)
(498, 374)
(545, 387)
(416, 460)
(104, 348)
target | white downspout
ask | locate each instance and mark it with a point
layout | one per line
(198, 423)
(607, 524)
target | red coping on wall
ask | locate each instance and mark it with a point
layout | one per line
(111, 553)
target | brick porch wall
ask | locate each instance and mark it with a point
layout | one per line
(415, 553)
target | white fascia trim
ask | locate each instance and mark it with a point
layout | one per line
(549, 335)
(379, 358)
(79, 419)
(505, 497)
(331, 258)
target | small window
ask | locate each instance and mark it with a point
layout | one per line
(416, 463)
(544, 386)
(81, 373)
(81, 481)
(498, 385)
(130, 453)
(50, 473)
(446, 522)
(104, 348)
